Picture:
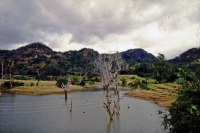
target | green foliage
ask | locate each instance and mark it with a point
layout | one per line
(161, 69)
(14, 84)
(60, 81)
(144, 86)
(135, 82)
(32, 84)
(75, 81)
(22, 77)
(90, 82)
(97, 79)
(184, 113)
(124, 81)
(143, 83)
(186, 74)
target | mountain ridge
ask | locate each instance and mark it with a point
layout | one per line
(37, 55)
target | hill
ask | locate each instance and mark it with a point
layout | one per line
(132, 56)
(187, 56)
(37, 56)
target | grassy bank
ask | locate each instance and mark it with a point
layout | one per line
(162, 94)
(44, 87)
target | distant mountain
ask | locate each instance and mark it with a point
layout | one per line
(29, 58)
(187, 56)
(132, 56)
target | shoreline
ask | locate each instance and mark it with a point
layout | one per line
(158, 97)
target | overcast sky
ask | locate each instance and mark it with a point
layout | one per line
(158, 26)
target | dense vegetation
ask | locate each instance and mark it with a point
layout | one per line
(184, 113)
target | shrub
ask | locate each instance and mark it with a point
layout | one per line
(14, 84)
(123, 81)
(60, 81)
(32, 84)
(97, 79)
(144, 86)
(75, 81)
(82, 83)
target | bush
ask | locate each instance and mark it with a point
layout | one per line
(32, 84)
(97, 79)
(82, 83)
(123, 81)
(90, 82)
(75, 81)
(14, 84)
(144, 86)
(60, 81)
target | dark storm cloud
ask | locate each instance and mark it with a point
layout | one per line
(27, 21)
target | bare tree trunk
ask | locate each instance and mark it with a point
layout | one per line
(65, 87)
(2, 71)
(117, 106)
(38, 80)
(10, 75)
(108, 106)
(110, 74)
(65, 94)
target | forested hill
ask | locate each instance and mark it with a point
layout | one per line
(187, 56)
(38, 56)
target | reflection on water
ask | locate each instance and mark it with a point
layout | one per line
(51, 113)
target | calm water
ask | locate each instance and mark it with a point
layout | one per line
(51, 114)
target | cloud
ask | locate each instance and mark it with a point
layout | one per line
(123, 24)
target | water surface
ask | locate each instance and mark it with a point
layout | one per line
(51, 113)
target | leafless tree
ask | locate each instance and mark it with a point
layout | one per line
(39, 77)
(109, 67)
(2, 68)
(65, 87)
(109, 72)
(10, 65)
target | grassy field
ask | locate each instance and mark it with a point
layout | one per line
(163, 94)
(44, 87)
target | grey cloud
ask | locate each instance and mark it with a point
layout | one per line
(35, 20)
(25, 21)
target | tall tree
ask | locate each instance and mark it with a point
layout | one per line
(161, 68)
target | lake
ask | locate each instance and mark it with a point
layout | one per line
(51, 114)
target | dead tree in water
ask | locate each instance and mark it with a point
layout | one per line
(109, 67)
(112, 111)
(65, 87)
(10, 65)
(109, 110)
